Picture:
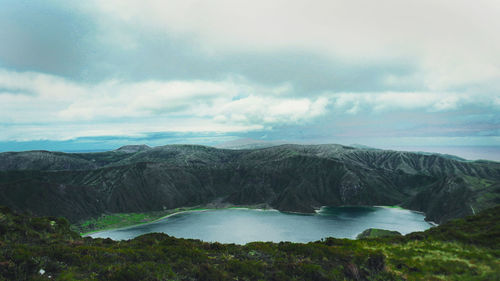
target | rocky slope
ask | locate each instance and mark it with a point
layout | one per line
(296, 178)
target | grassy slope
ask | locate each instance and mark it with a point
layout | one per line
(465, 249)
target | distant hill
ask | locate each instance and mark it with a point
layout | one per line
(133, 148)
(248, 143)
(297, 178)
(361, 146)
(453, 157)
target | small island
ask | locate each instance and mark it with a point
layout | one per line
(377, 233)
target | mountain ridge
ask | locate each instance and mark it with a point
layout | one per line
(290, 177)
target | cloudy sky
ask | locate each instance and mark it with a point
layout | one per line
(100, 74)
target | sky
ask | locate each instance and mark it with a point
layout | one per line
(90, 75)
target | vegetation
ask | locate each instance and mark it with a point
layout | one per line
(33, 248)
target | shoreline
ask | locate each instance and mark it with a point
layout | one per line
(87, 234)
(196, 209)
(258, 207)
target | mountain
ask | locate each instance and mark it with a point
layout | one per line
(44, 248)
(133, 148)
(248, 143)
(296, 178)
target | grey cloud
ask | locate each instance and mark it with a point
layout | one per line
(15, 91)
(61, 40)
(311, 73)
(159, 56)
(58, 38)
(42, 36)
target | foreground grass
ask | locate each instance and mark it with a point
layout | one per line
(437, 260)
(46, 249)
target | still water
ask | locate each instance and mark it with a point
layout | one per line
(241, 226)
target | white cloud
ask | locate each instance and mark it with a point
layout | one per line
(40, 106)
(34, 105)
(271, 110)
(353, 103)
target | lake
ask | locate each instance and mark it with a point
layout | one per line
(241, 226)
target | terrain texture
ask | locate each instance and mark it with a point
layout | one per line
(296, 178)
(35, 248)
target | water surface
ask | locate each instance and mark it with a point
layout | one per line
(245, 225)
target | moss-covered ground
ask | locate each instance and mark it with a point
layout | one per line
(46, 249)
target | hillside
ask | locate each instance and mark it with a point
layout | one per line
(296, 178)
(35, 248)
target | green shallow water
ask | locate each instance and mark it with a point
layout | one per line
(241, 226)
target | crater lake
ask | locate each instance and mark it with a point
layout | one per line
(241, 226)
